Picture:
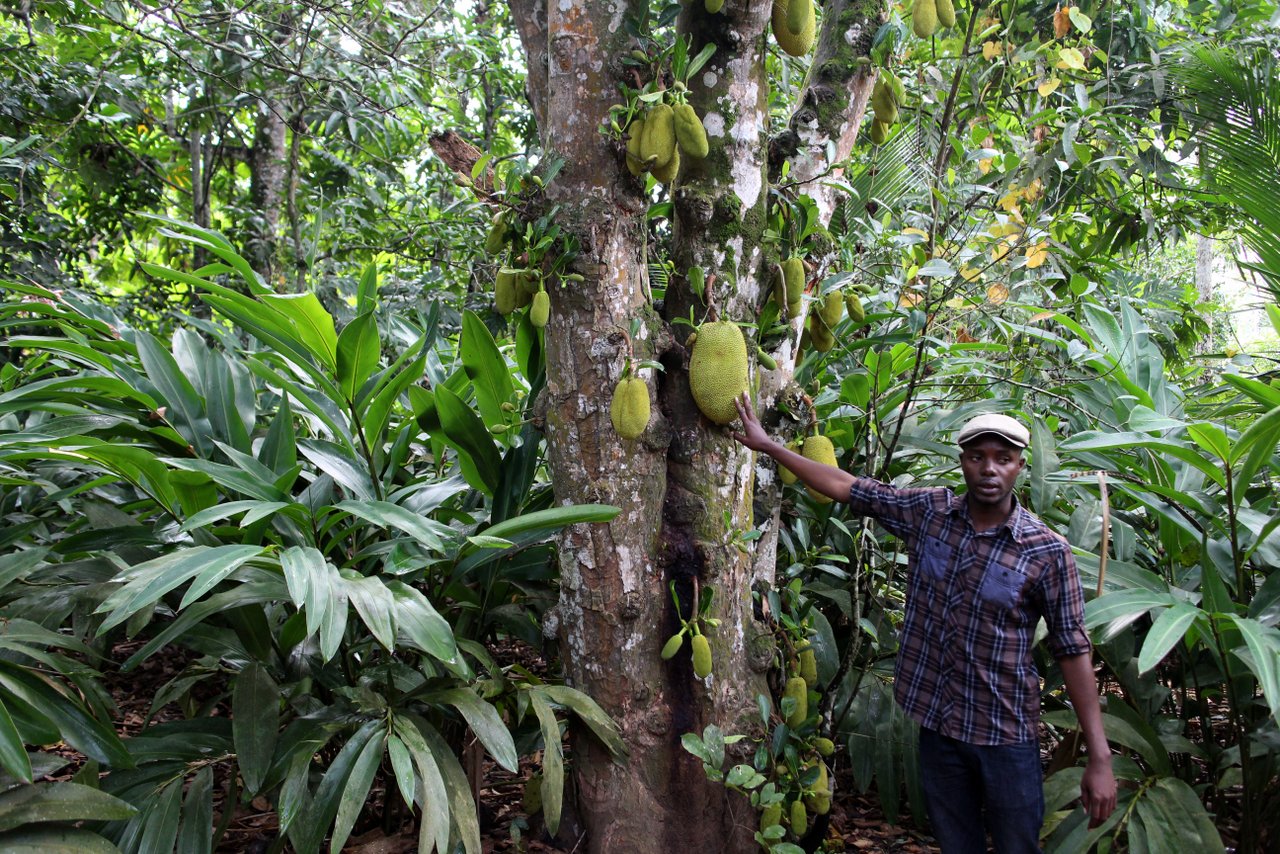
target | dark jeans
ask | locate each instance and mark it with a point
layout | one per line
(972, 789)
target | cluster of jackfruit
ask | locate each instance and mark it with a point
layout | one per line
(788, 286)
(699, 648)
(794, 25)
(718, 369)
(887, 96)
(928, 15)
(656, 139)
(516, 285)
(822, 323)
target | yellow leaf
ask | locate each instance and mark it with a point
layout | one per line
(911, 229)
(1010, 200)
(1037, 254)
(1043, 315)
(970, 273)
(1070, 57)
(1047, 87)
(1001, 249)
(909, 299)
(990, 50)
(1033, 191)
(997, 293)
(984, 165)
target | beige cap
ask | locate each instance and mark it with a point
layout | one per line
(1001, 425)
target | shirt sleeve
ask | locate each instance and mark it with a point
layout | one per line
(1064, 606)
(899, 511)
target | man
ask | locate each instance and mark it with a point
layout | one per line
(983, 572)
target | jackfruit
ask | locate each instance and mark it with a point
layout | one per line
(540, 310)
(819, 797)
(528, 283)
(798, 12)
(629, 410)
(797, 690)
(659, 138)
(766, 361)
(879, 132)
(799, 818)
(853, 306)
(820, 337)
(497, 237)
(824, 746)
(770, 816)
(690, 134)
(832, 309)
(797, 43)
(809, 667)
(718, 370)
(819, 449)
(504, 293)
(667, 174)
(635, 163)
(701, 656)
(883, 103)
(924, 18)
(785, 474)
(946, 13)
(672, 646)
(793, 274)
(713, 6)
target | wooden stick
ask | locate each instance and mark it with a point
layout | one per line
(1106, 530)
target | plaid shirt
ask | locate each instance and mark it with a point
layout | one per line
(965, 667)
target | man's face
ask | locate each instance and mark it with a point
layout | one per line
(991, 467)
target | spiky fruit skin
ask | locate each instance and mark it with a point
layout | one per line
(883, 102)
(659, 139)
(824, 746)
(635, 163)
(819, 449)
(809, 667)
(946, 13)
(799, 818)
(629, 410)
(771, 815)
(672, 646)
(796, 44)
(832, 309)
(718, 370)
(924, 18)
(540, 310)
(879, 132)
(820, 336)
(690, 134)
(667, 174)
(798, 12)
(798, 690)
(819, 798)
(793, 276)
(701, 648)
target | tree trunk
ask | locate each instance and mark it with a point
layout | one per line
(267, 166)
(684, 486)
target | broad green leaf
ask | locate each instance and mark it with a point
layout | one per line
(545, 521)
(402, 768)
(308, 831)
(160, 820)
(255, 720)
(77, 727)
(13, 754)
(1122, 607)
(1212, 439)
(186, 411)
(378, 413)
(356, 792)
(485, 367)
(147, 582)
(552, 761)
(1186, 811)
(195, 833)
(589, 712)
(468, 435)
(429, 533)
(311, 324)
(347, 471)
(55, 840)
(359, 350)
(433, 832)
(1264, 647)
(485, 722)
(367, 290)
(462, 807)
(419, 622)
(1257, 445)
(253, 509)
(1165, 633)
(374, 603)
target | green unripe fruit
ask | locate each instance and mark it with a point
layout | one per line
(672, 646)
(820, 336)
(766, 361)
(713, 6)
(635, 163)
(785, 474)
(809, 667)
(799, 818)
(504, 293)
(701, 656)
(884, 103)
(832, 309)
(824, 746)
(540, 310)
(794, 43)
(629, 410)
(879, 132)
(690, 133)
(667, 174)
(946, 13)
(718, 370)
(523, 295)
(924, 18)
(770, 816)
(799, 12)
(528, 283)
(497, 237)
(797, 690)
(819, 449)
(793, 275)
(895, 84)
(819, 798)
(659, 138)
(853, 306)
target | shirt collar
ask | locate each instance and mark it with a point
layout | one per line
(1016, 524)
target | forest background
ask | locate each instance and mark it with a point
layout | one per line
(263, 420)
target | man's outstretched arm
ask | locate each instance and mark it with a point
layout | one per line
(820, 477)
(1098, 786)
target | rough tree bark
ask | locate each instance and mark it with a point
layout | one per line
(684, 486)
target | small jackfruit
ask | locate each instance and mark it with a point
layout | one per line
(819, 797)
(793, 275)
(667, 174)
(946, 13)
(879, 132)
(629, 410)
(690, 134)
(659, 139)
(824, 746)
(820, 337)
(797, 690)
(794, 43)
(718, 370)
(497, 236)
(504, 293)
(924, 18)
(713, 6)
(883, 102)
(832, 309)
(635, 162)
(540, 310)
(809, 667)
(819, 449)
(766, 361)
(672, 646)
(770, 816)
(853, 306)
(701, 648)
(799, 818)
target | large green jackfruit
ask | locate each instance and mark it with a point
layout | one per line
(853, 306)
(797, 690)
(667, 174)
(799, 12)
(659, 138)
(883, 102)
(832, 309)
(821, 338)
(809, 666)
(796, 44)
(924, 18)
(690, 134)
(718, 370)
(819, 449)
(635, 162)
(879, 132)
(629, 410)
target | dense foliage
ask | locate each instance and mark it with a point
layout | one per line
(258, 413)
